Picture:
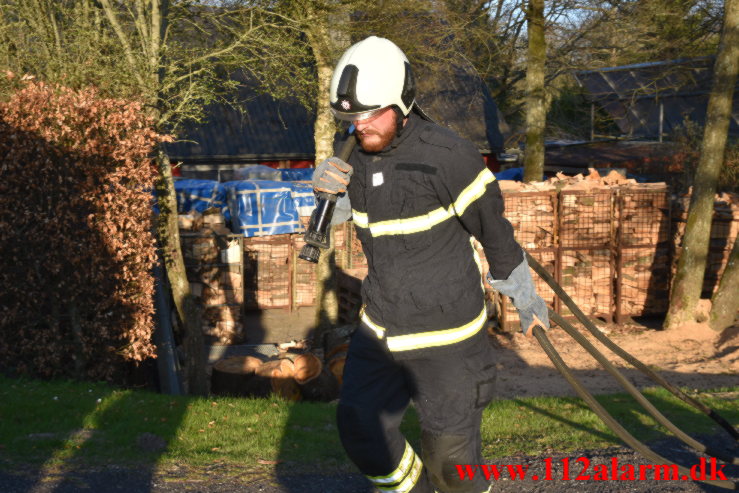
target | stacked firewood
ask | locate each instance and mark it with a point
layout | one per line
(587, 277)
(644, 280)
(532, 216)
(298, 373)
(304, 280)
(267, 272)
(213, 263)
(586, 231)
(586, 219)
(724, 230)
(643, 214)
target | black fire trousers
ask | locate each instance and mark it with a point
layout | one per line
(449, 390)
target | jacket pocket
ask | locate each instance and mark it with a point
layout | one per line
(482, 370)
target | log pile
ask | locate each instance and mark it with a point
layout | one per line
(267, 271)
(532, 216)
(643, 219)
(587, 276)
(643, 215)
(213, 264)
(298, 373)
(585, 219)
(304, 288)
(724, 230)
(644, 281)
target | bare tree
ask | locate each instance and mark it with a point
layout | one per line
(175, 56)
(686, 287)
(536, 115)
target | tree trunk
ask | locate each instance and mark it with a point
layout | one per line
(187, 308)
(725, 302)
(535, 104)
(327, 301)
(686, 288)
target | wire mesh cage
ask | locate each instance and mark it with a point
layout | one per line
(533, 217)
(213, 266)
(585, 219)
(643, 255)
(267, 279)
(304, 276)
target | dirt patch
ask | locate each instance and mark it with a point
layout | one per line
(692, 356)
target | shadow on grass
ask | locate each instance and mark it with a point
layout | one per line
(63, 437)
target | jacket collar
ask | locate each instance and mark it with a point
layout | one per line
(410, 127)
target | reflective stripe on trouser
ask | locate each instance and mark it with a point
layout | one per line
(449, 390)
(404, 477)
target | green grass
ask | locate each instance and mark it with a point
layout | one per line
(60, 422)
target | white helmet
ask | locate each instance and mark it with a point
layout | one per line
(371, 75)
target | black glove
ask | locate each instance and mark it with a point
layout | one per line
(332, 176)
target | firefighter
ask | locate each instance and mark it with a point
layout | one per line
(417, 194)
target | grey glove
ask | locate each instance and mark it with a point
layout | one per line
(332, 176)
(520, 288)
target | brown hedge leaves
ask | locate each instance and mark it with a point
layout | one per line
(76, 247)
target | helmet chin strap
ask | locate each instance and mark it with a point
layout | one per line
(399, 117)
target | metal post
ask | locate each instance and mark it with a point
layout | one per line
(168, 367)
(661, 119)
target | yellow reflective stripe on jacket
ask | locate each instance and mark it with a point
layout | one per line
(400, 472)
(438, 337)
(360, 219)
(473, 191)
(424, 222)
(433, 338)
(379, 331)
(476, 256)
(411, 224)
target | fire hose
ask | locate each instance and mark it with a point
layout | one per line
(599, 410)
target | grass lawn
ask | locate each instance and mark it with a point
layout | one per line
(58, 422)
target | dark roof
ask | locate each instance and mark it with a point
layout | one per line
(459, 99)
(270, 129)
(632, 94)
(262, 129)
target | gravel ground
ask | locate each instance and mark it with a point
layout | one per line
(216, 479)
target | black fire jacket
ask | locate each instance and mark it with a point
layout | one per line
(415, 206)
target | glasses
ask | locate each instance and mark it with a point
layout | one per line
(364, 117)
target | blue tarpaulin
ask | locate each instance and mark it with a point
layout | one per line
(263, 208)
(297, 174)
(513, 174)
(199, 195)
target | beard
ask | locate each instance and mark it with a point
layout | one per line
(373, 140)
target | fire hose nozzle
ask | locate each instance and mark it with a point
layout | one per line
(318, 234)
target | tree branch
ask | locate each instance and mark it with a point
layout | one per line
(128, 51)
